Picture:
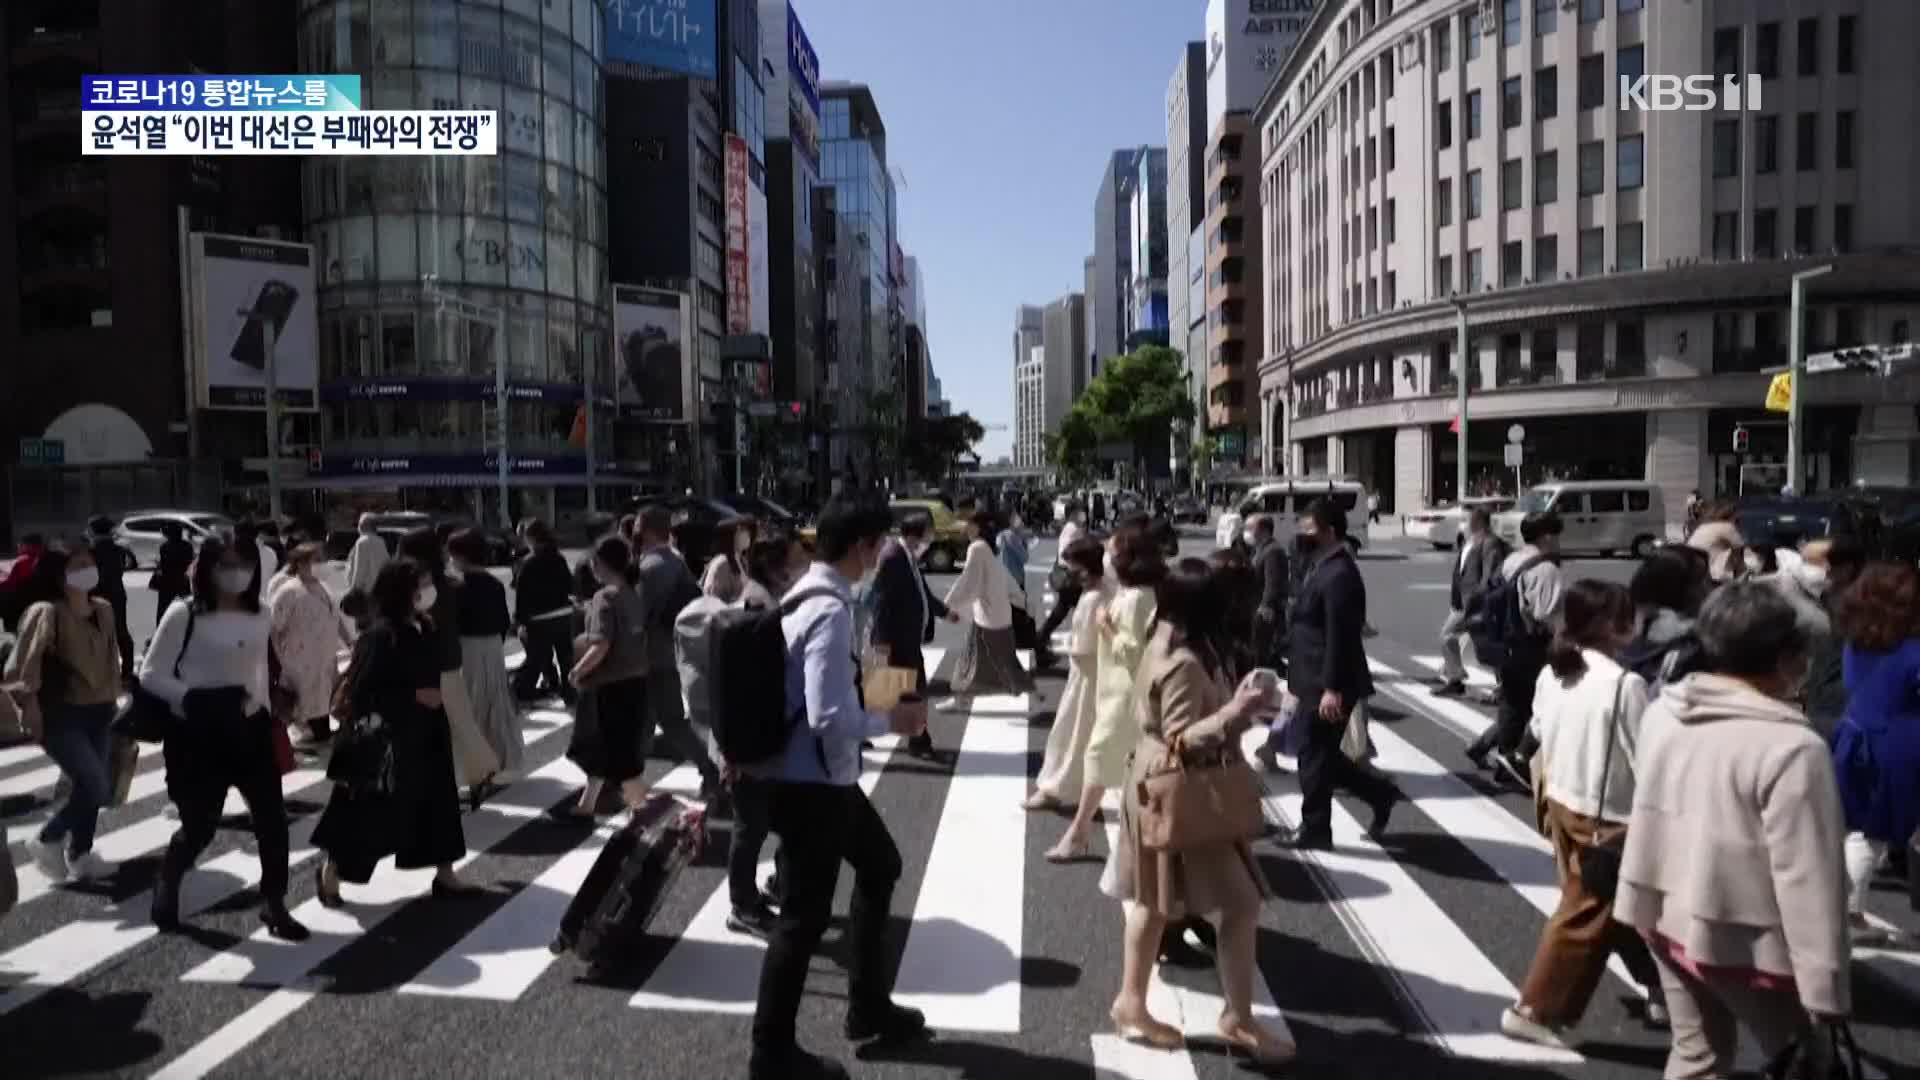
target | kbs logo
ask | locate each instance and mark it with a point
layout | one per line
(1690, 93)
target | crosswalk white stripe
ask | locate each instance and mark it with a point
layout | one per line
(1409, 938)
(1477, 675)
(710, 968)
(19, 755)
(27, 783)
(962, 961)
(1122, 1058)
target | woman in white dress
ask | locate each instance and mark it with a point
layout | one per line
(725, 576)
(308, 634)
(1058, 786)
(986, 594)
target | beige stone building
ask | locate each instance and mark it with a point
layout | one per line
(1624, 272)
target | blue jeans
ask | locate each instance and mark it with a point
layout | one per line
(77, 741)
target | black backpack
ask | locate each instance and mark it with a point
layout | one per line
(1503, 625)
(752, 718)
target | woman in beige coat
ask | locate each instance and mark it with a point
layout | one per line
(1733, 867)
(1181, 691)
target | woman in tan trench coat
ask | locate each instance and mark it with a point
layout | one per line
(1181, 690)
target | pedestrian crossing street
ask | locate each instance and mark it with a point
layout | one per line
(1378, 960)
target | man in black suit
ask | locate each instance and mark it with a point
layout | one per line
(904, 609)
(1481, 554)
(1327, 672)
(1270, 564)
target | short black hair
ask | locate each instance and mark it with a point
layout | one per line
(1747, 628)
(470, 545)
(1086, 554)
(915, 526)
(394, 588)
(100, 525)
(1480, 519)
(1540, 524)
(1326, 514)
(1262, 524)
(654, 523)
(1669, 578)
(616, 554)
(423, 546)
(845, 523)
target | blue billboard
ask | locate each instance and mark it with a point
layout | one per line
(802, 61)
(676, 35)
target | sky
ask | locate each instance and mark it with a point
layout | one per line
(1000, 116)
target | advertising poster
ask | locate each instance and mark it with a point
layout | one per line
(230, 277)
(760, 317)
(674, 35)
(739, 248)
(803, 95)
(651, 352)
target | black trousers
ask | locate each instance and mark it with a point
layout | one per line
(236, 753)
(819, 826)
(1063, 605)
(750, 828)
(549, 645)
(121, 632)
(1517, 678)
(1323, 767)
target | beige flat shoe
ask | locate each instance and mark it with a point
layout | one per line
(1147, 1031)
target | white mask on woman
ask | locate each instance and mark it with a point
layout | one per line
(1812, 577)
(233, 581)
(84, 579)
(424, 599)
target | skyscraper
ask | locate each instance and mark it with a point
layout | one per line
(1029, 368)
(854, 164)
(1186, 208)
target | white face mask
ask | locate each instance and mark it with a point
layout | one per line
(83, 579)
(233, 581)
(423, 600)
(1812, 577)
(1252, 539)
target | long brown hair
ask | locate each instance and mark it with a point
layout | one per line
(1594, 614)
(1881, 608)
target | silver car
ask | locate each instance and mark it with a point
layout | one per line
(139, 532)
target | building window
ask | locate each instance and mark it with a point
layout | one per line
(1510, 22)
(1546, 178)
(1473, 115)
(1473, 195)
(1769, 349)
(1386, 141)
(1727, 354)
(1443, 201)
(1806, 53)
(1846, 328)
(1546, 93)
(1629, 349)
(1443, 125)
(1765, 226)
(1806, 141)
(1510, 106)
(1726, 148)
(1843, 227)
(1589, 351)
(1726, 235)
(1630, 162)
(1843, 60)
(1593, 82)
(1393, 220)
(1506, 365)
(1471, 31)
(1591, 11)
(1766, 144)
(1513, 266)
(1766, 50)
(1629, 251)
(1546, 14)
(1843, 140)
(1629, 6)
(1443, 275)
(1543, 363)
(1475, 275)
(1593, 251)
(1442, 46)
(1546, 258)
(1631, 63)
(1593, 168)
(1803, 240)
(1726, 51)
(1373, 228)
(1373, 159)
(1390, 299)
(1513, 180)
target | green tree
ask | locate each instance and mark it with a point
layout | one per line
(1206, 448)
(931, 445)
(1136, 399)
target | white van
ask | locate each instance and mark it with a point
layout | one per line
(1603, 516)
(1286, 500)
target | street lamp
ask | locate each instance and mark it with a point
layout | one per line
(430, 287)
(271, 339)
(1796, 371)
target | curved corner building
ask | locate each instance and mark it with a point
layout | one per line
(1624, 272)
(517, 240)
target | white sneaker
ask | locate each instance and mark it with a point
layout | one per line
(88, 867)
(51, 857)
(1516, 1026)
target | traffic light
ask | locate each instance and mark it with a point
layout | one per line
(1741, 439)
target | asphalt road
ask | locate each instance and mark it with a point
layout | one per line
(1384, 961)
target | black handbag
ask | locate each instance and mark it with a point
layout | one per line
(1600, 863)
(1827, 1052)
(362, 758)
(1059, 579)
(147, 717)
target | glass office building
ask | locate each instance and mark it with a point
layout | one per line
(853, 160)
(425, 261)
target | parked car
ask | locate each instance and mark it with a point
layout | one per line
(765, 511)
(1187, 510)
(139, 532)
(949, 547)
(1770, 521)
(1445, 526)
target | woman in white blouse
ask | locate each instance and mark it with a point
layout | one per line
(1058, 785)
(986, 595)
(208, 661)
(725, 577)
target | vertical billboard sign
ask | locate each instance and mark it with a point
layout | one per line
(760, 318)
(803, 94)
(1247, 41)
(252, 304)
(652, 354)
(674, 35)
(739, 249)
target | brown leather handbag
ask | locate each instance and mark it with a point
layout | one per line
(1191, 800)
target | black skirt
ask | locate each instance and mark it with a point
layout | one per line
(609, 725)
(418, 824)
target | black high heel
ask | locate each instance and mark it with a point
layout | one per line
(281, 923)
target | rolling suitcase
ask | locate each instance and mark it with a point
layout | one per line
(609, 915)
